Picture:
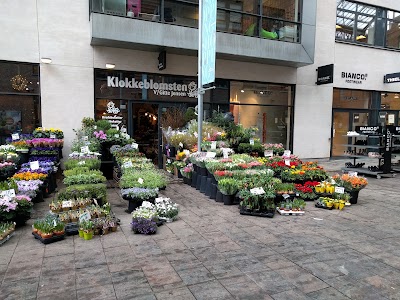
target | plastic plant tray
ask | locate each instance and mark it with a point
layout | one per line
(7, 238)
(49, 240)
(290, 212)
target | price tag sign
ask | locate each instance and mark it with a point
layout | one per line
(128, 164)
(94, 127)
(95, 202)
(15, 136)
(123, 130)
(339, 190)
(352, 173)
(252, 142)
(181, 145)
(85, 216)
(82, 162)
(140, 180)
(85, 138)
(211, 154)
(34, 165)
(287, 162)
(285, 196)
(225, 153)
(168, 161)
(52, 136)
(85, 149)
(8, 193)
(213, 145)
(287, 153)
(195, 134)
(269, 153)
(116, 135)
(257, 191)
(67, 204)
(135, 146)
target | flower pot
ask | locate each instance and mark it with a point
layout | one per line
(341, 206)
(114, 229)
(80, 232)
(354, 197)
(105, 231)
(198, 182)
(189, 181)
(133, 204)
(194, 179)
(336, 205)
(87, 235)
(203, 184)
(208, 187)
(228, 199)
(185, 180)
(213, 191)
(218, 197)
(203, 171)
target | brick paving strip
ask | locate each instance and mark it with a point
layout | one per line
(212, 252)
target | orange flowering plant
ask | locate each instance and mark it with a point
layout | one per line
(29, 176)
(350, 183)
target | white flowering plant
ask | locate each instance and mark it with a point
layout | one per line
(146, 211)
(166, 208)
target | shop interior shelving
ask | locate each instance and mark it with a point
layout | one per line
(396, 147)
(374, 142)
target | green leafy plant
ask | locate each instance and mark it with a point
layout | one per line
(90, 163)
(103, 125)
(87, 178)
(227, 186)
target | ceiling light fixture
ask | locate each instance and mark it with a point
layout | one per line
(110, 66)
(45, 60)
(338, 26)
(396, 96)
(360, 37)
(242, 91)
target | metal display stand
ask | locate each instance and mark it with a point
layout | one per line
(377, 138)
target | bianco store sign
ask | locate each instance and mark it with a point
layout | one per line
(158, 88)
(355, 78)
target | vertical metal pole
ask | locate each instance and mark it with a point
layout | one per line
(199, 84)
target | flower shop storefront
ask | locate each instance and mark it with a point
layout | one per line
(142, 104)
(19, 98)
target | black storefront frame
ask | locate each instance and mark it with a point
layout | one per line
(36, 96)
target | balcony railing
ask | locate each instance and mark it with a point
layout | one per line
(186, 12)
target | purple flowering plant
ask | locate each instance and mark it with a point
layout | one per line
(144, 226)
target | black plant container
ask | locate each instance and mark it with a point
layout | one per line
(203, 184)
(228, 199)
(213, 191)
(218, 197)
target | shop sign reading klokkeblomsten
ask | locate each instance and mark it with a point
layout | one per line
(158, 88)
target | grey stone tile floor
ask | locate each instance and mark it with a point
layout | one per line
(212, 252)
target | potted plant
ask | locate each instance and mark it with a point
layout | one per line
(87, 227)
(351, 184)
(228, 188)
(166, 209)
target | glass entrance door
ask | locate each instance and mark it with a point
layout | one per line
(144, 128)
(344, 121)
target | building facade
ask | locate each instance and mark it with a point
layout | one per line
(267, 55)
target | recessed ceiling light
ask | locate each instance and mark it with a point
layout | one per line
(45, 60)
(110, 66)
(242, 91)
(360, 37)
(261, 92)
(338, 26)
(396, 96)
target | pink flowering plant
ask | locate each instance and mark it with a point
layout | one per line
(18, 207)
(100, 135)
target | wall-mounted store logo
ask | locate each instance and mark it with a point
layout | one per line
(158, 88)
(111, 109)
(356, 78)
(113, 118)
(391, 78)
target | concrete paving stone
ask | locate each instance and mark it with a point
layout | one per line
(23, 270)
(176, 294)
(210, 290)
(123, 262)
(179, 265)
(304, 281)
(181, 255)
(58, 263)
(161, 275)
(140, 297)
(101, 292)
(63, 247)
(58, 294)
(170, 245)
(80, 243)
(195, 275)
(59, 282)
(20, 289)
(133, 277)
(271, 281)
(246, 289)
(223, 269)
(322, 270)
(294, 294)
(92, 276)
(389, 288)
(94, 260)
(356, 269)
(354, 289)
(195, 241)
(275, 262)
(327, 294)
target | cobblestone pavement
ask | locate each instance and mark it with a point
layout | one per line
(212, 252)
